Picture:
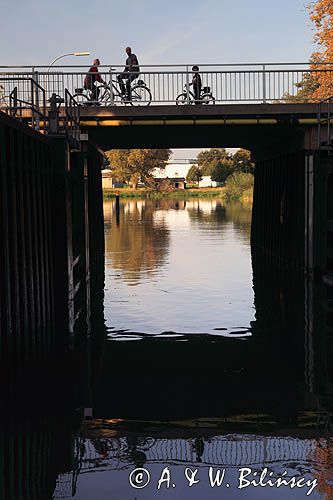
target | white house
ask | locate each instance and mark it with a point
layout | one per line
(206, 181)
(177, 168)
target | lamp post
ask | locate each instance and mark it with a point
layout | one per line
(77, 54)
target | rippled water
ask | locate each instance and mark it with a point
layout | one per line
(178, 266)
(109, 461)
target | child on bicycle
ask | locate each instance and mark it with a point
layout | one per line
(197, 84)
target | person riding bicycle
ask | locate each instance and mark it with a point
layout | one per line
(130, 73)
(197, 84)
(93, 77)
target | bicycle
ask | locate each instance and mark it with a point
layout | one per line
(140, 95)
(206, 97)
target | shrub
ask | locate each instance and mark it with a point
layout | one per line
(237, 184)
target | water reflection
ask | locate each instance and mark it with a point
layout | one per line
(139, 244)
(115, 455)
(181, 257)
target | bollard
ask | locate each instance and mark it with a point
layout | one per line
(117, 209)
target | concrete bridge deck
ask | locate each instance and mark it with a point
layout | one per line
(299, 113)
(248, 125)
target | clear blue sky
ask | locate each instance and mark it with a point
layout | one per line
(159, 31)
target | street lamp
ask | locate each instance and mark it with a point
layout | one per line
(78, 54)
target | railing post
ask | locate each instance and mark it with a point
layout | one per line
(187, 86)
(13, 102)
(111, 91)
(319, 123)
(329, 124)
(35, 97)
(264, 84)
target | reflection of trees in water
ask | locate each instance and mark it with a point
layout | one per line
(240, 215)
(214, 214)
(140, 242)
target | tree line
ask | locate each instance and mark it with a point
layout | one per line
(132, 166)
(219, 164)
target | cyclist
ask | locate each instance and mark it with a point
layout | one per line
(93, 77)
(197, 84)
(130, 73)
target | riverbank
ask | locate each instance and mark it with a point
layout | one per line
(144, 193)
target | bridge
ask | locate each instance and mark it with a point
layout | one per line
(270, 97)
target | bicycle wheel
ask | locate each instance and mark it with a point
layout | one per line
(207, 99)
(140, 96)
(181, 99)
(104, 95)
(83, 98)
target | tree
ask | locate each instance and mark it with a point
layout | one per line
(194, 174)
(221, 170)
(144, 161)
(321, 14)
(118, 163)
(318, 84)
(242, 161)
(207, 159)
(133, 165)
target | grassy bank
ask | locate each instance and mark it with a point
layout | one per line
(155, 195)
(239, 187)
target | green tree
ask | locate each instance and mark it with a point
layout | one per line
(118, 163)
(133, 165)
(221, 170)
(242, 161)
(207, 159)
(194, 174)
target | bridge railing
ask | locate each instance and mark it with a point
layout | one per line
(23, 98)
(72, 120)
(325, 138)
(239, 83)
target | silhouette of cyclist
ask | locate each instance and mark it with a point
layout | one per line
(130, 73)
(93, 77)
(197, 84)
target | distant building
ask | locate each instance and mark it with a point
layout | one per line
(175, 182)
(206, 181)
(108, 182)
(176, 168)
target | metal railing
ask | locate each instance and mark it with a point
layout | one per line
(325, 139)
(228, 83)
(72, 121)
(24, 99)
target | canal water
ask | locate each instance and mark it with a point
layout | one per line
(207, 359)
(178, 267)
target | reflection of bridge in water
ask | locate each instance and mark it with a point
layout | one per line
(235, 450)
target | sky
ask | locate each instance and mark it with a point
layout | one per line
(35, 32)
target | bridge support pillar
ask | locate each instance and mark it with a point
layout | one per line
(292, 257)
